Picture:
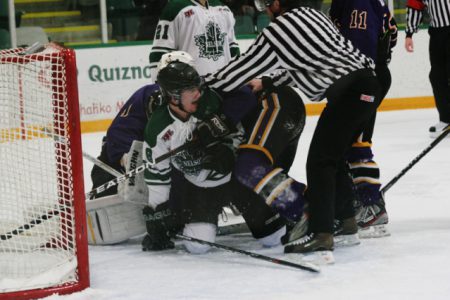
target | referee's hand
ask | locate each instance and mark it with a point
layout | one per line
(409, 44)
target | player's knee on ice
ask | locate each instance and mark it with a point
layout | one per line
(201, 231)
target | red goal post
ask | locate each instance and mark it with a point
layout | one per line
(43, 241)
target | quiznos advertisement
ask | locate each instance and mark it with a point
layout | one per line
(108, 76)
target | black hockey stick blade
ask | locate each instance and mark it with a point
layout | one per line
(303, 266)
(433, 144)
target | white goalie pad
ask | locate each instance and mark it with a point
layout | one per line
(134, 189)
(110, 220)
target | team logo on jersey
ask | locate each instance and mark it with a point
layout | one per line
(167, 135)
(189, 13)
(211, 42)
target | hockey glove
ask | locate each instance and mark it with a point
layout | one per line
(219, 158)
(157, 237)
(212, 129)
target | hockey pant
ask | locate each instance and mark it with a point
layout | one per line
(263, 161)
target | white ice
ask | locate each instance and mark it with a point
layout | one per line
(413, 263)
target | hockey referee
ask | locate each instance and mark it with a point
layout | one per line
(439, 50)
(305, 50)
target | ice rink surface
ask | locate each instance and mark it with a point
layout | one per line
(413, 263)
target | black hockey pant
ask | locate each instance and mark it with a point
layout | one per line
(440, 70)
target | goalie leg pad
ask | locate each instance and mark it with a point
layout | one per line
(111, 221)
(134, 189)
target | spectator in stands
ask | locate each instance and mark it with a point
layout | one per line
(241, 7)
(316, 4)
(149, 19)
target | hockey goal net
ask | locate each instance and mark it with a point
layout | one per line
(43, 248)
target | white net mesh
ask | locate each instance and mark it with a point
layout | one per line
(36, 187)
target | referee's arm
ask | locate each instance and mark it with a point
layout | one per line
(259, 59)
(414, 16)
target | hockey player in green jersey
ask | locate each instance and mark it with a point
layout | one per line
(199, 174)
(202, 28)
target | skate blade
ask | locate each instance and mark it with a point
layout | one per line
(316, 258)
(346, 240)
(375, 231)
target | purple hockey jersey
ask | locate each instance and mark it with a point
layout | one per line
(364, 22)
(129, 124)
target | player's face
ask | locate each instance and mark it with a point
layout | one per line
(190, 99)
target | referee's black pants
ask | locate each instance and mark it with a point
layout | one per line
(352, 100)
(440, 70)
(385, 80)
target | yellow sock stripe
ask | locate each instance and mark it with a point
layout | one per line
(91, 228)
(360, 144)
(366, 179)
(271, 120)
(258, 122)
(369, 165)
(278, 190)
(259, 148)
(266, 179)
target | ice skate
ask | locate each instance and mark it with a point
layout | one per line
(372, 221)
(346, 233)
(437, 129)
(315, 247)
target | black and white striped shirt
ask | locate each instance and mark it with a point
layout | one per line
(439, 11)
(305, 45)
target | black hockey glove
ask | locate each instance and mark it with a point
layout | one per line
(212, 129)
(157, 237)
(219, 158)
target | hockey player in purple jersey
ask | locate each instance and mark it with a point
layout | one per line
(127, 126)
(369, 25)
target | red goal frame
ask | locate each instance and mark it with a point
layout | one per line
(77, 198)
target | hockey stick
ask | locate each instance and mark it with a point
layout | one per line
(30, 225)
(304, 266)
(60, 139)
(416, 160)
(138, 170)
(99, 189)
(102, 165)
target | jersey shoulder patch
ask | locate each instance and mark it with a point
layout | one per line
(159, 120)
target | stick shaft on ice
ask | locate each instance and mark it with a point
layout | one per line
(307, 267)
(416, 160)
